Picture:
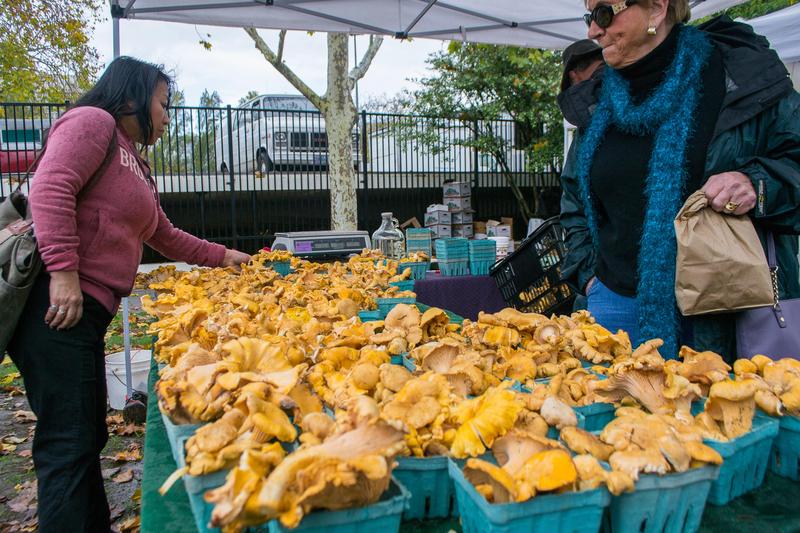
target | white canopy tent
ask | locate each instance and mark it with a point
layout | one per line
(550, 24)
(782, 28)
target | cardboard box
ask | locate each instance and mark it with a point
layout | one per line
(462, 217)
(498, 230)
(479, 227)
(458, 203)
(508, 221)
(463, 230)
(433, 218)
(442, 230)
(456, 188)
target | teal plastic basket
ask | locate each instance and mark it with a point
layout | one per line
(281, 267)
(409, 363)
(597, 415)
(480, 268)
(419, 240)
(428, 482)
(784, 459)
(407, 285)
(370, 316)
(177, 434)
(575, 512)
(745, 461)
(383, 516)
(452, 248)
(454, 267)
(418, 270)
(482, 255)
(387, 304)
(672, 503)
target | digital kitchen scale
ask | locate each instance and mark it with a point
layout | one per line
(325, 243)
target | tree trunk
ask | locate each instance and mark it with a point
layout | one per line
(340, 117)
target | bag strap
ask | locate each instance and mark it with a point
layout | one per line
(110, 151)
(772, 261)
(112, 145)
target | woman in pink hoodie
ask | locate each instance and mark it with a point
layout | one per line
(94, 205)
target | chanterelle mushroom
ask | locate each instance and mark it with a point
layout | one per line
(732, 404)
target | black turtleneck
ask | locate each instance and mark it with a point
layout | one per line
(620, 165)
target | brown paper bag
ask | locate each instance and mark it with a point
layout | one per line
(720, 265)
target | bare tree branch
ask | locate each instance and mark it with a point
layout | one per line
(287, 72)
(281, 42)
(359, 70)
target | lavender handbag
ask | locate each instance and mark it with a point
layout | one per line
(773, 331)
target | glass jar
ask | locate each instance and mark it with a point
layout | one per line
(389, 239)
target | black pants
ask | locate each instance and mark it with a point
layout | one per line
(64, 375)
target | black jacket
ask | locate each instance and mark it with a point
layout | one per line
(757, 133)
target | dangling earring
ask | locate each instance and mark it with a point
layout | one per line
(651, 30)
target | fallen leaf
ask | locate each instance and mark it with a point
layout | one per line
(25, 416)
(25, 453)
(123, 477)
(116, 512)
(133, 453)
(7, 448)
(12, 439)
(137, 495)
(13, 390)
(9, 378)
(114, 419)
(25, 499)
(129, 429)
(108, 473)
(129, 524)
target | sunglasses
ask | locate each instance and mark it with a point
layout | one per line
(603, 15)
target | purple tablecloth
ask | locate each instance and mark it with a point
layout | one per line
(463, 295)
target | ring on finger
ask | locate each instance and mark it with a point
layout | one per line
(61, 311)
(730, 207)
(54, 307)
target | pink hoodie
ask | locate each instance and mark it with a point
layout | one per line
(102, 237)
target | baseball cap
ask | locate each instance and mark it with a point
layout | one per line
(574, 53)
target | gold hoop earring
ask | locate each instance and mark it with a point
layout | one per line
(651, 30)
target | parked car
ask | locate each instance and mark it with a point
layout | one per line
(275, 132)
(20, 142)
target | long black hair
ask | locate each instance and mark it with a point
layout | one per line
(125, 88)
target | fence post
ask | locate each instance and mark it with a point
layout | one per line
(231, 179)
(364, 174)
(475, 162)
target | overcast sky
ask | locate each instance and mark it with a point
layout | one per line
(233, 66)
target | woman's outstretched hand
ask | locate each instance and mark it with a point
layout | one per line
(235, 258)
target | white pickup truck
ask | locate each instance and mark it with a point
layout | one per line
(272, 132)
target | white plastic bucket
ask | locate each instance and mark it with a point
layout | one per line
(502, 246)
(115, 375)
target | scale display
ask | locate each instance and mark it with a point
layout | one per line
(322, 243)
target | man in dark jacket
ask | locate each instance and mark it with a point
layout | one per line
(757, 133)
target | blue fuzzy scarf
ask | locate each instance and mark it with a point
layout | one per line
(668, 115)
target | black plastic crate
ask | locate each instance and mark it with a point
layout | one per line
(530, 278)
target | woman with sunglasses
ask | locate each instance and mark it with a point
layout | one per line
(680, 108)
(94, 205)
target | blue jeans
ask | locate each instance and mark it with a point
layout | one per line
(614, 311)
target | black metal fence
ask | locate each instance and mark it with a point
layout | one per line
(238, 176)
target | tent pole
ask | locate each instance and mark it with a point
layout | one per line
(116, 13)
(115, 23)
